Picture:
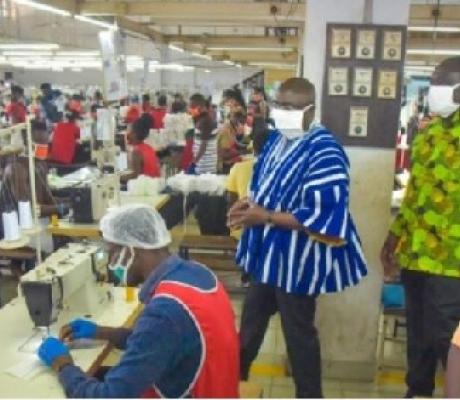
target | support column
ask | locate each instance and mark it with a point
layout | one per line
(348, 322)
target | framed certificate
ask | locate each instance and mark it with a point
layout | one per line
(358, 122)
(392, 43)
(365, 44)
(341, 43)
(362, 82)
(387, 84)
(338, 81)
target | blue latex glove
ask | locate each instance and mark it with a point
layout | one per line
(82, 329)
(191, 170)
(51, 349)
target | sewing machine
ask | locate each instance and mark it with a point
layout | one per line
(69, 279)
(90, 201)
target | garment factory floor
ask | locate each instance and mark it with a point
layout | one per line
(269, 369)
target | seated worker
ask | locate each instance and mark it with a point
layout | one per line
(64, 139)
(16, 111)
(158, 113)
(453, 368)
(143, 159)
(183, 344)
(228, 149)
(177, 122)
(134, 111)
(15, 185)
(147, 108)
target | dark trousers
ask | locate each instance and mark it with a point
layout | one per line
(297, 321)
(433, 313)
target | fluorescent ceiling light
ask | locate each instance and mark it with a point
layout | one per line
(176, 48)
(97, 22)
(43, 7)
(207, 71)
(436, 52)
(205, 56)
(29, 46)
(27, 53)
(273, 64)
(446, 29)
(276, 49)
(78, 53)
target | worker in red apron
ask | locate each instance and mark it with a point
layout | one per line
(184, 343)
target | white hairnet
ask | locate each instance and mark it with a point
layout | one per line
(135, 225)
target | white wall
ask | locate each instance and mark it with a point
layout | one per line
(348, 322)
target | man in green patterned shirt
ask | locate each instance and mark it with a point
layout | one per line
(424, 240)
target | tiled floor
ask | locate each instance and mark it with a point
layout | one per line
(270, 373)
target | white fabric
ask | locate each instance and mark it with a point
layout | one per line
(289, 122)
(175, 126)
(441, 100)
(135, 225)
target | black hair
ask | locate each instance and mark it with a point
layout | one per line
(141, 127)
(177, 107)
(71, 116)
(162, 101)
(235, 94)
(15, 89)
(45, 86)
(145, 98)
(260, 134)
(259, 90)
(299, 86)
(198, 99)
(94, 108)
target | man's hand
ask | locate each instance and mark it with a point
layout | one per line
(388, 259)
(54, 353)
(78, 329)
(235, 210)
(247, 214)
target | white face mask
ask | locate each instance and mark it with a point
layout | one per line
(289, 122)
(441, 100)
(119, 270)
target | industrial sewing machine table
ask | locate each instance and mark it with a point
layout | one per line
(17, 327)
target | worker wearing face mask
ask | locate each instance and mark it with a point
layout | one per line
(424, 240)
(299, 240)
(183, 344)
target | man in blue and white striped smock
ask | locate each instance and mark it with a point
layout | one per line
(299, 239)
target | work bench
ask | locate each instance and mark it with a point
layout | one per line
(75, 230)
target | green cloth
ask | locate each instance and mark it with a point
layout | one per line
(428, 223)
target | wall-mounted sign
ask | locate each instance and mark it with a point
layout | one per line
(365, 44)
(392, 43)
(387, 84)
(358, 122)
(362, 82)
(341, 43)
(338, 81)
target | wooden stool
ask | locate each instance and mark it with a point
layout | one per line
(223, 244)
(218, 254)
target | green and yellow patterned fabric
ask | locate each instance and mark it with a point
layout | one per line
(428, 223)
